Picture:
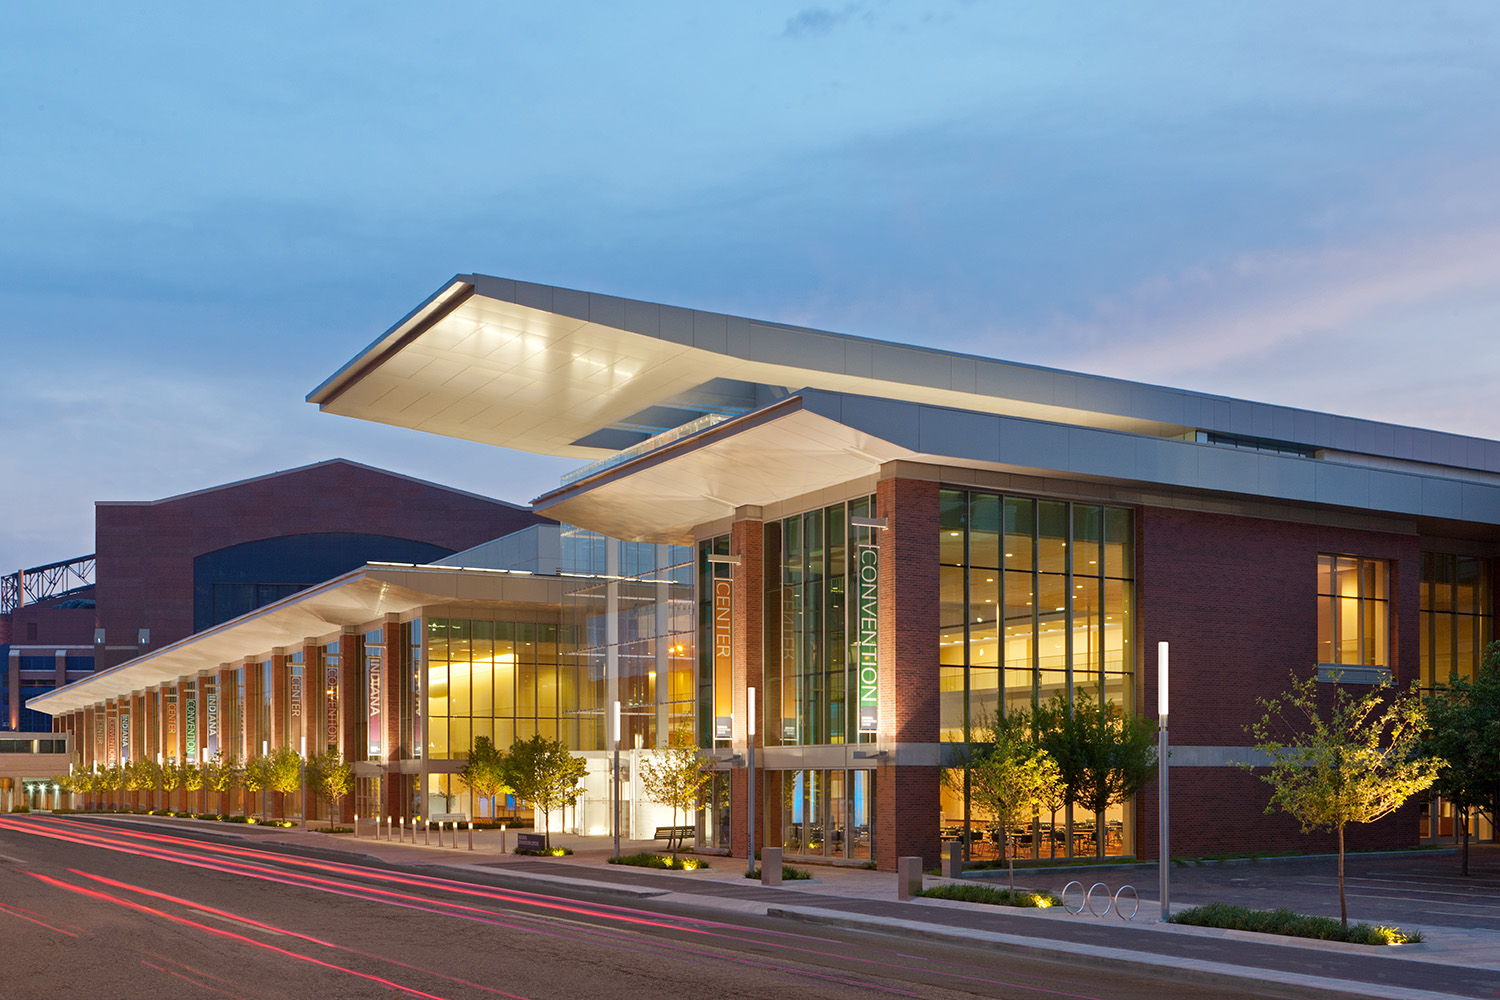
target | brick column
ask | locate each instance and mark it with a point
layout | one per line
(391, 676)
(746, 540)
(906, 795)
(349, 687)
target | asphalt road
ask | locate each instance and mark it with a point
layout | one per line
(100, 910)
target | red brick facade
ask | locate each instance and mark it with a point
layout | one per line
(145, 551)
(1237, 599)
(906, 797)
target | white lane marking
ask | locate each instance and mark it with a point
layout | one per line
(1434, 892)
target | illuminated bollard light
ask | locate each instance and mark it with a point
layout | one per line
(471, 834)
(427, 833)
(356, 826)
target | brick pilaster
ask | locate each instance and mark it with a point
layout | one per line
(746, 540)
(906, 796)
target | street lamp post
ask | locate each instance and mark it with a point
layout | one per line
(614, 739)
(750, 769)
(1161, 770)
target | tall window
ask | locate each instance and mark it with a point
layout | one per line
(495, 679)
(1457, 621)
(1036, 599)
(1353, 611)
(811, 625)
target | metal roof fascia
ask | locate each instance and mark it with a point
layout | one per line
(440, 303)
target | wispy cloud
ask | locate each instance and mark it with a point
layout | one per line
(1400, 329)
(818, 20)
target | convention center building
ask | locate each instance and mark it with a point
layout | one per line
(849, 555)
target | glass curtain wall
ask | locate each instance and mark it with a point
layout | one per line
(1036, 601)
(632, 618)
(810, 629)
(826, 813)
(1457, 625)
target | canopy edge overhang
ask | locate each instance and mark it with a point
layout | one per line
(356, 598)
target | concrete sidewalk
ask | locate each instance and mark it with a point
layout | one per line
(1452, 961)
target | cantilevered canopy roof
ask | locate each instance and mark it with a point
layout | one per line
(357, 597)
(817, 440)
(563, 372)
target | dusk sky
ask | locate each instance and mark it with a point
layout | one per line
(209, 207)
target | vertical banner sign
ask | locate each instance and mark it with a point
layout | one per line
(101, 741)
(296, 735)
(124, 737)
(723, 657)
(331, 710)
(374, 660)
(171, 710)
(867, 567)
(211, 709)
(190, 725)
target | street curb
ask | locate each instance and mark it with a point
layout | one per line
(1291, 986)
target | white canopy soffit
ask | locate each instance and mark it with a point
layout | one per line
(542, 369)
(778, 453)
(354, 599)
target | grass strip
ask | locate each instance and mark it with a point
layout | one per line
(646, 859)
(992, 896)
(1290, 924)
(788, 873)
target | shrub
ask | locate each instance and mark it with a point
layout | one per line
(788, 873)
(331, 829)
(990, 895)
(546, 852)
(1290, 924)
(646, 859)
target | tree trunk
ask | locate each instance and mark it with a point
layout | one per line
(1463, 819)
(1343, 908)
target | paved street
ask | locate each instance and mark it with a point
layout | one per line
(107, 909)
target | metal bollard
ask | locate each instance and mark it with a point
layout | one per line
(427, 833)
(356, 826)
(953, 859)
(389, 834)
(908, 877)
(471, 834)
(403, 829)
(770, 866)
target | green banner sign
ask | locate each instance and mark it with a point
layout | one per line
(867, 609)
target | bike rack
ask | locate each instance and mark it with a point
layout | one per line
(1111, 902)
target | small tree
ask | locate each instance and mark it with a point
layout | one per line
(544, 773)
(484, 774)
(674, 775)
(1463, 737)
(1340, 759)
(222, 775)
(192, 779)
(256, 777)
(1010, 776)
(171, 780)
(284, 772)
(330, 778)
(1104, 755)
